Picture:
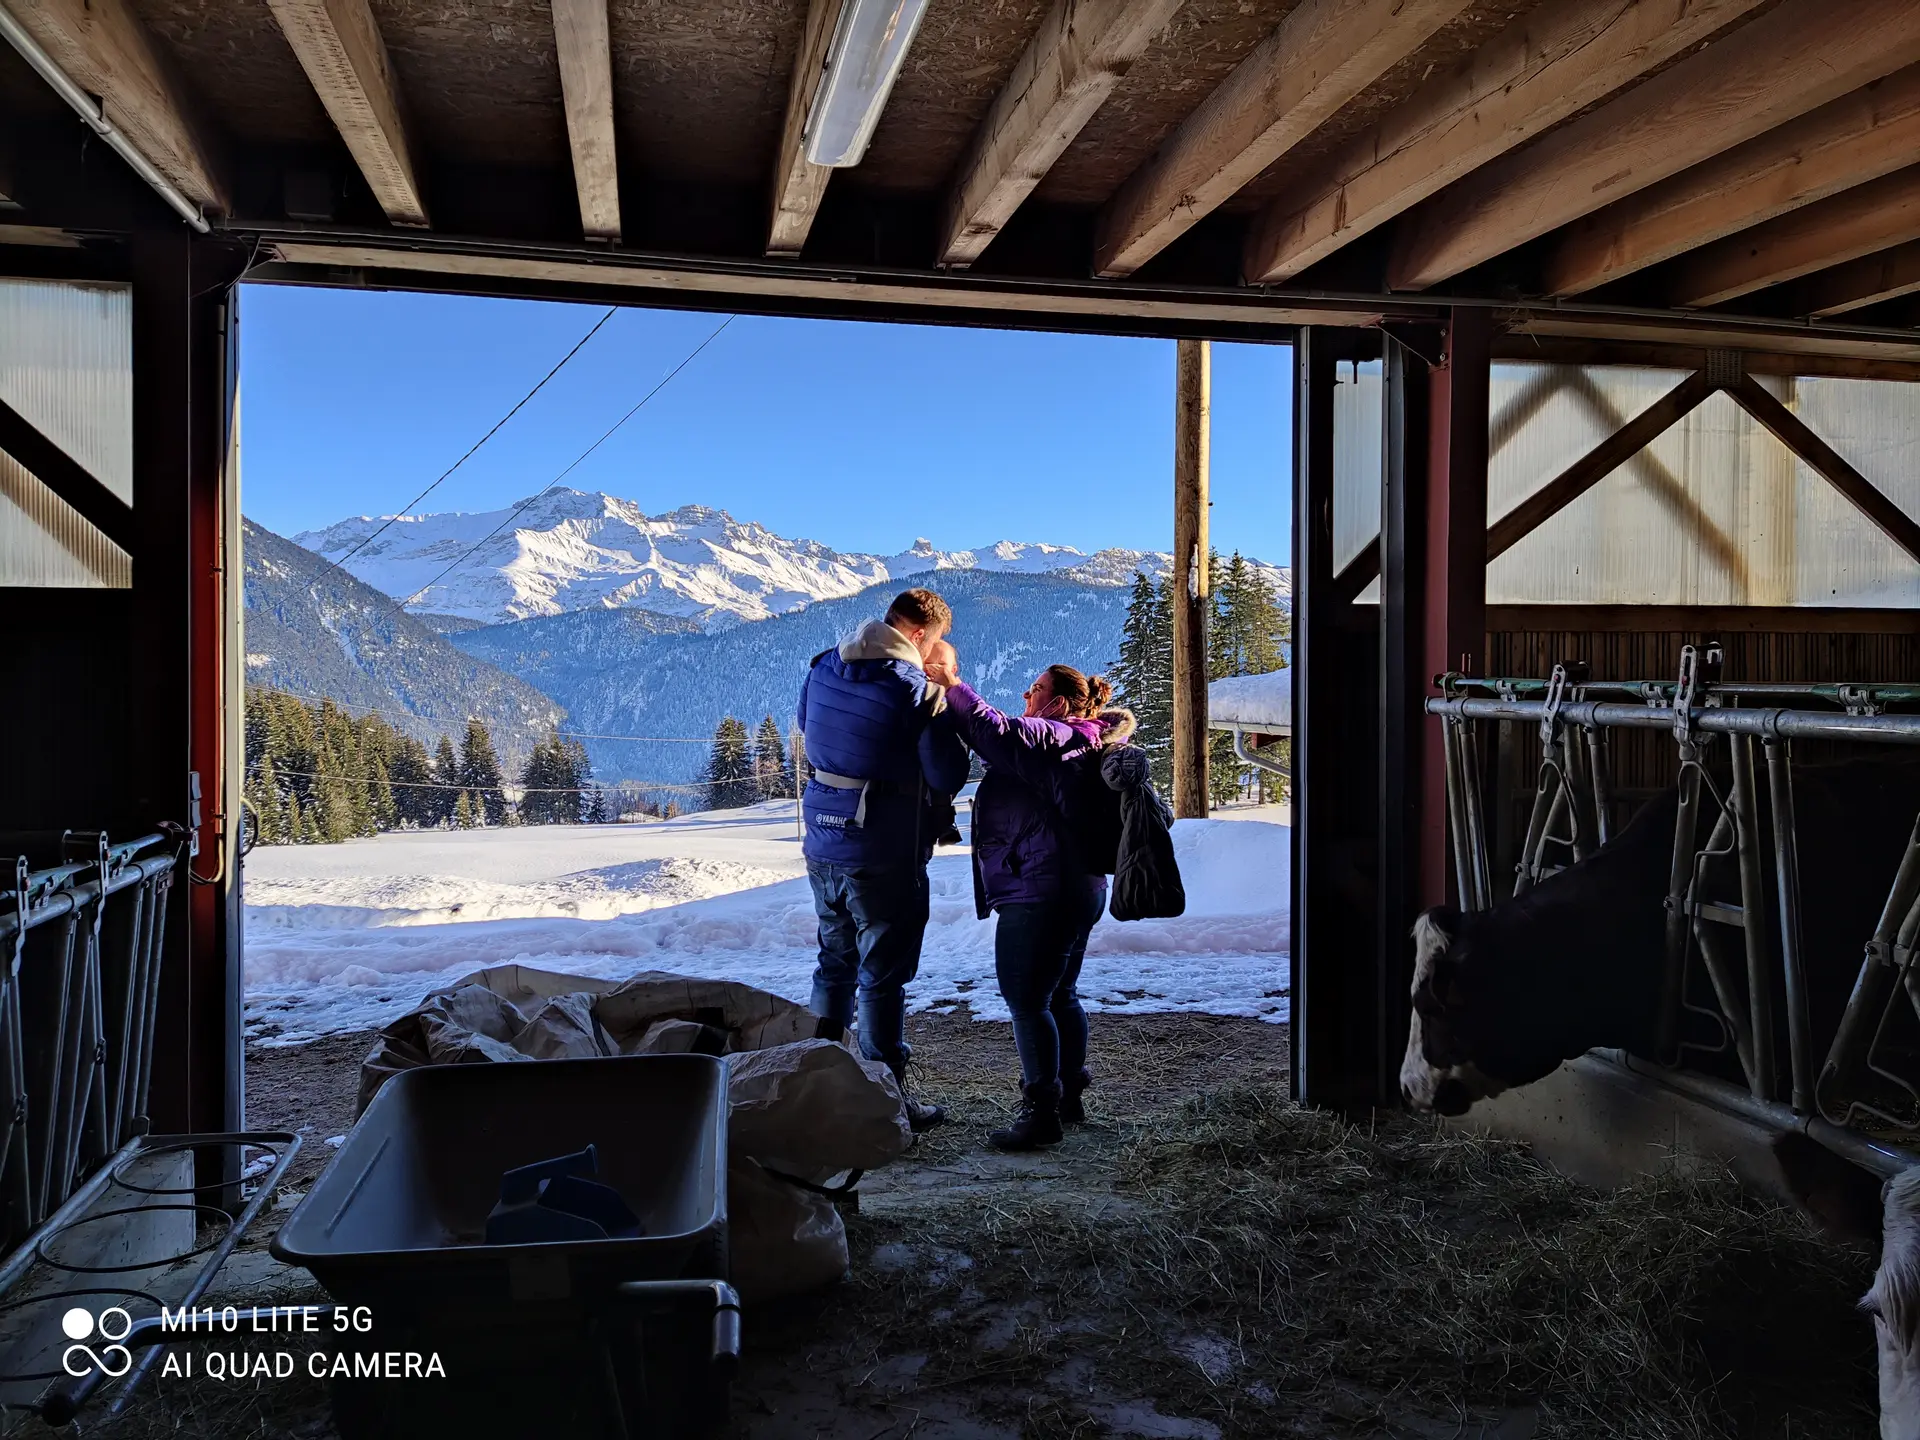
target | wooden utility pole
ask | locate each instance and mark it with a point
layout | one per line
(1189, 580)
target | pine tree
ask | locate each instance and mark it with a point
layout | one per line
(446, 773)
(729, 777)
(772, 770)
(1143, 673)
(410, 774)
(480, 774)
(462, 812)
(597, 807)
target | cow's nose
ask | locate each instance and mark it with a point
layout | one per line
(1450, 1097)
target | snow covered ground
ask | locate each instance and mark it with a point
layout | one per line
(348, 937)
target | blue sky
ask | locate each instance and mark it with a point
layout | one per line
(861, 436)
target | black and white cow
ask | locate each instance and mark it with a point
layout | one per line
(1849, 1202)
(1502, 996)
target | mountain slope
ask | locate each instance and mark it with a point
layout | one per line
(572, 550)
(314, 631)
(617, 676)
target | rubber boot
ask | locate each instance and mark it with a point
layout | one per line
(922, 1115)
(1073, 1110)
(1036, 1123)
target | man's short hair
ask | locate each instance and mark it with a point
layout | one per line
(920, 606)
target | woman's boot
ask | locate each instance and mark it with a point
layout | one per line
(1036, 1123)
(1073, 1110)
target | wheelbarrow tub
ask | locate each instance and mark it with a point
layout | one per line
(397, 1221)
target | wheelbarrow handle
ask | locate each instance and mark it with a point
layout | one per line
(726, 1310)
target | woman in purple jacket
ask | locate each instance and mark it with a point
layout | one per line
(1027, 869)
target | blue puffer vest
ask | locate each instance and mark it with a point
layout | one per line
(865, 710)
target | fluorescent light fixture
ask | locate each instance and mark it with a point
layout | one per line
(869, 46)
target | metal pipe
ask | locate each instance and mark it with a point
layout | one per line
(21, 1260)
(1874, 985)
(1686, 827)
(95, 115)
(1764, 724)
(1249, 757)
(1786, 868)
(1456, 815)
(1600, 762)
(1753, 910)
(1721, 973)
(1476, 823)
(1877, 1156)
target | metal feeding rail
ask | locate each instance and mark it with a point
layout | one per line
(1860, 1084)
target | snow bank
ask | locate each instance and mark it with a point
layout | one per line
(340, 938)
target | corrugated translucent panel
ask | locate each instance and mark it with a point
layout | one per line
(66, 364)
(45, 542)
(1714, 512)
(1358, 394)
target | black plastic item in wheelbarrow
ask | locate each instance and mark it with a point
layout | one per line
(398, 1220)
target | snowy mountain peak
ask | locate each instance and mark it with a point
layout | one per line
(567, 550)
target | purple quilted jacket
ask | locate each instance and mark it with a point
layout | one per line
(1020, 852)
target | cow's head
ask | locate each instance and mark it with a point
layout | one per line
(1894, 1303)
(1849, 1203)
(1439, 1072)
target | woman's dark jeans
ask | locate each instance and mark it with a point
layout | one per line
(1037, 950)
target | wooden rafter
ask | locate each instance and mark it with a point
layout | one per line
(1793, 59)
(66, 477)
(103, 47)
(586, 84)
(1548, 65)
(339, 46)
(1887, 275)
(798, 185)
(1856, 222)
(1857, 138)
(1798, 436)
(1324, 53)
(1069, 68)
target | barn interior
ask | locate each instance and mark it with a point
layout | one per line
(1603, 330)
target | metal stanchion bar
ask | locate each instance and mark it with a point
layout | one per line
(1753, 912)
(1765, 724)
(1786, 866)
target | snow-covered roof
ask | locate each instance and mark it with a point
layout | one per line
(1252, 702)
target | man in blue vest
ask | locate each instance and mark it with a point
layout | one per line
(882, 770)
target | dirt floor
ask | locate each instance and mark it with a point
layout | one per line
(1204, 1261)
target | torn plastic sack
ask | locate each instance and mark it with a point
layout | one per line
(781, 1239)
(814, 1109)
(515, 1012)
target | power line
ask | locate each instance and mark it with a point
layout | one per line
(407, 509)
(527, 503)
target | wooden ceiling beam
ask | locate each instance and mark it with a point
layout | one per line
(586, 84)
(1069, 68)
(1548, 65)
(1857, 138)
(339, 46)
(1885, 275)
(799, 185)
(1856, 222)
(1323, 54)
(102, 46)
(1793, 59)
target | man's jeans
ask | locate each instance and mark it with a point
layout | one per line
(872, 921)
(1037, 951)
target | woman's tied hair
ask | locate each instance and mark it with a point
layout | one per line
(920, 606)
(1086, 695)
